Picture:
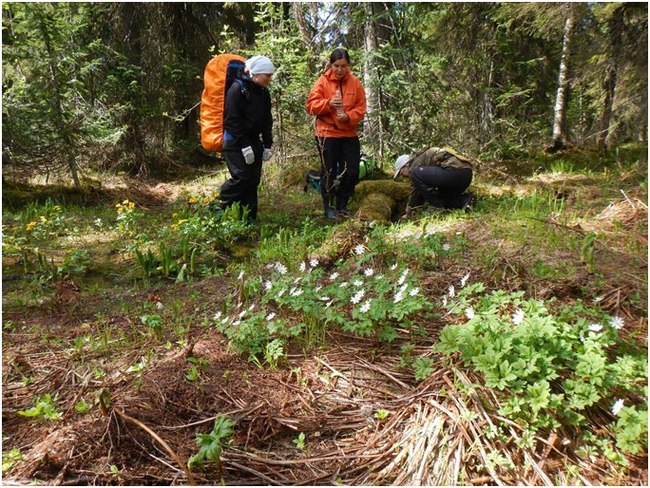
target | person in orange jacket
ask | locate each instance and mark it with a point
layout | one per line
(338, 101)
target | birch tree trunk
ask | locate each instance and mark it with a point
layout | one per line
(559, 140)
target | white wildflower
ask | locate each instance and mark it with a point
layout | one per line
(393, 267)
(324, 299)
(242, 313)
(225, 320)
(357, 283)
(518, 316)
(399, 296)
(379, 277)
(598, 299)
(414, 292)
(444, 301)
(296, 280)
(269, 266)
(327, 305)
(616, 323)
(280, 268)
(333, 276)
(159, 305)
(403, 276)
(268, 285)
(618, 405)
(237, 322)
(98, 222)
(217, 315)
(446, 247)
(296, 292)
(463, 280)
(365, 307)
(270, 316)
(452, 291)
(241, 275)
(281, 292)
(343, 285)
(318, 288)
(368, 272)
(595, 328)
(356, 298)
(302, 266)
(251, 307)
(469, 313)
(359, 249)
(313, 263)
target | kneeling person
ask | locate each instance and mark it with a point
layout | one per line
(439, 176)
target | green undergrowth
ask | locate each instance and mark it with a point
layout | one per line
(480, 281)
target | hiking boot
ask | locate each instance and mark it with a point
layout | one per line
(468, 202)
(344, 212)
(330, 213)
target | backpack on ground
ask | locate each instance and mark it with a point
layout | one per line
(312, 180)
(220, 73)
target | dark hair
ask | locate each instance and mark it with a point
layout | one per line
(339, 53)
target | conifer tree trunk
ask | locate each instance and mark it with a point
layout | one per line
(615, 25)
(58, 105)
(371, 123)
(559, 140)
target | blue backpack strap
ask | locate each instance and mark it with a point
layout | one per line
(242, 87)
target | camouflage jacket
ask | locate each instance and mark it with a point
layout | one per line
(444, 157)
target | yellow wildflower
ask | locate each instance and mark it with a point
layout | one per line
(29, 227)
(192, 200)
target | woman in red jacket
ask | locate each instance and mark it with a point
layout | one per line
(338, 101)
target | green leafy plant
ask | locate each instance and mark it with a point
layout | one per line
(10, 459)
(82, 406)
(154, 322)
(632, 430)
(549, 368)
(423, 368)
(381, 414)
(213, 443)
(300, 441)
(44, 408)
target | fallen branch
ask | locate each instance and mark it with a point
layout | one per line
(169, 450)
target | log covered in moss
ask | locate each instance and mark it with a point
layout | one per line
(380, 199)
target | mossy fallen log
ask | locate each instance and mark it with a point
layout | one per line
(380, 199)
(342, 241)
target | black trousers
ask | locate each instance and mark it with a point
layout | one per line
(244, 178)
(340, 157)
(440, 187)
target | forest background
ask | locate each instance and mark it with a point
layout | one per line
(117, 85)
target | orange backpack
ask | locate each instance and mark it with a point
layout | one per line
(220, 73)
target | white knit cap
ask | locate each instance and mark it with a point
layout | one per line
(258, 65)
(400, 163)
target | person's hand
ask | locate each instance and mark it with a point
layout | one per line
(342, 116)
(266, 155)
(249, 155)
(336, 102)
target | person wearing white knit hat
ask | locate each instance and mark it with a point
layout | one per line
(257, 65)
(439, 176)
(248, 133)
